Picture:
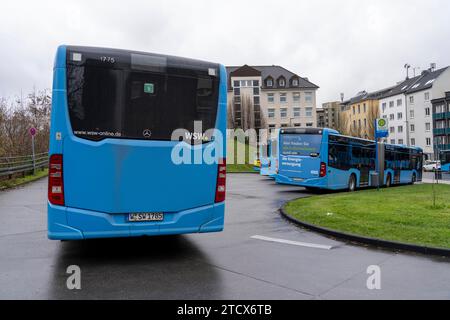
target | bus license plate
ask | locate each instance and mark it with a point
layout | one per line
(145, 217)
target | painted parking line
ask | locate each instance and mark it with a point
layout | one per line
(294, 243)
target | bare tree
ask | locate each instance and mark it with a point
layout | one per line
(372, 115)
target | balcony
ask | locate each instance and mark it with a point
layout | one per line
(443, 146)
(440, 116)
(440, 132)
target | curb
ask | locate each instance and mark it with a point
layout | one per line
(369, 241)
(22, 184)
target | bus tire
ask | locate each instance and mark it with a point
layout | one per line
(388, 181)
(352, 183)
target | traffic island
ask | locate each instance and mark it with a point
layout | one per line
(411, 218)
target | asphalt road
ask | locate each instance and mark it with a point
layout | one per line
(228, 265)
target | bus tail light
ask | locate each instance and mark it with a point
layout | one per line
(55, 180)
(221, 181)
(323, 169)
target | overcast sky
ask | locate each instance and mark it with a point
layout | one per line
(342, 46)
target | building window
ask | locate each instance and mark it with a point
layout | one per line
(400, 130)
(256, 83)
(309, 111)
(428, 142)
(392, 129)
(270, 98)
(428, 127)
(399, 116)
(295, 82)
(283, 97)
(359, 123)
(269, 82)
(284, 125)
(392, 141)
(427, 112)
(282, 82)
(383, 106)
(308, 96)
(411, 99)
(236, 84)
(237, 99)
(411, 114)
(271, 113)
(256, 91)
(413, 142)
(392, 116)
(399, 102)
(296, 96)
(359, 108)
(283, 113)
(297, 112)
(237, 91)
(391, 104)
(413, 128)
(256, 100)
(309, 124)
(400, 141)
(365, 123)
(354, 124)
(427, 96)
(297, 124)
(365, 108)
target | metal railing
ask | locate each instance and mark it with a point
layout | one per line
(10, 166)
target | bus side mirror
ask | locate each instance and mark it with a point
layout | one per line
(314, 155)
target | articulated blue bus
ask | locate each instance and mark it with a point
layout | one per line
(444, 156)
(324, 159)
(112, 171)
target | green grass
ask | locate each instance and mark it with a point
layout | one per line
(20, 181)
(240, 168)
(404, 214)
(232, 166)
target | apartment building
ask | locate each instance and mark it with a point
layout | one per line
(409, 110)
(279, 97)
(321, 123)
(331, 114)
(360, 112)
(441, 123)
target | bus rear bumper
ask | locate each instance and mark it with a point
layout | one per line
(319, 183)
(76, 224)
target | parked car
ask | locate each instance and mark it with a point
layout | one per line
(432, 165)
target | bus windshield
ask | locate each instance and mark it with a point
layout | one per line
(303, 145)
(138, 96)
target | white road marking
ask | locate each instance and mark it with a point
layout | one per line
(294, 243)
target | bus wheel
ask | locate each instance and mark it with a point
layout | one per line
(388, 181)
(352, 183)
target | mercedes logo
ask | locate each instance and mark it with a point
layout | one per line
(147, 133)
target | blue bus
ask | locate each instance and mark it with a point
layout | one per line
(111, 168)
(324, 159)
(444, 156)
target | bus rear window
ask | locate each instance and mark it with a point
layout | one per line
(119, 101)
(304, 145)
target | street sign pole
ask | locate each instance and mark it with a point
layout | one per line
(381, 131)
(33, 133)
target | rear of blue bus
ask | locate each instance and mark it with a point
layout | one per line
(113, 171)
(303, 157)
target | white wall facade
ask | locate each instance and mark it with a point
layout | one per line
(391, 108)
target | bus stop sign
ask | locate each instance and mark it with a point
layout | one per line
(381, 128)
(33, 131)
